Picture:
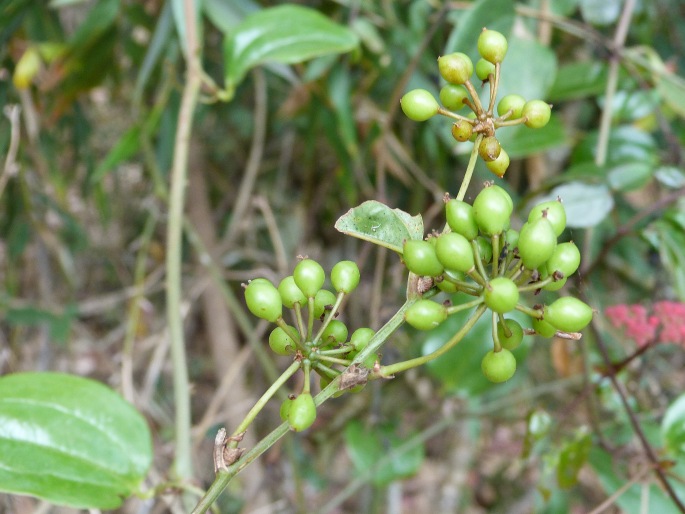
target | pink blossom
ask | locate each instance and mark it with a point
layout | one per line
(665, 324)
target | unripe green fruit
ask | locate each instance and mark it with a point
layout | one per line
(334, 333)
(324, 298)
(460, 218)
(462, 130)
(368, 362)
(536, 242)
(447, 287)
(514, 103)
(566, 259)
(568, 314)
(537, 113)
(489, 148)
(491, 211)
(454, 252)
(556, 285)
(452, 96)
(543, 328)
(484, 69)
(498, 366)
(420, 258)
(290, 293)
(425, 314)
(345, 276)
(501, 295)
(455, 68)
(285, 409)
(554, 211)
(512, 238)
(512, 341)
(484, 249)
(309, 277)
(263, 300)
(280, 342)
(500, 165)
(302, 412)
(360, 338)
(492, 46)
(419, 105)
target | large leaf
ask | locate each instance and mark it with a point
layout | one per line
(285, 34)
(673, 426)
(376, 222)
(586, 204)
(579, 80)
(70, 440)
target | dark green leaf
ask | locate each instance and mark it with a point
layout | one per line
(626, 143)
(521, 141)
(579, 80)
(572, 458)
(376, 222)
(70, 441)
(285, 34)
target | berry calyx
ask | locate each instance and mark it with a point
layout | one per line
(501, 295)
(537, 113)
(455, 68)
(309, 277)
(492, 46)
(263, 300)
(420, 258)
(425, 314)
(345, 276)
(498, 366)
(419, 105)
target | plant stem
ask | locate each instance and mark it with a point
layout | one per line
(310, 319)
(454, 115)
(333, 360)
(474, 96)
(536, 285)
(533, 313)
(463, 306)
(183, 468)
(327, 320)
(469, 169)
(250, 416)
(387, 371)
(495, 335)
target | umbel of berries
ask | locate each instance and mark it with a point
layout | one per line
(458, 72)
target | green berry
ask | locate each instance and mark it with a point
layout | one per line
(309, 277)
(500, 165)
(512, 238)
(543, 328)
(566, 259)
(462, 130)
(334, 333)
(452, 96)
(425, 314)
(568, 314)
(484, 69)
(501, 295)
(280, 341)
(513, 103)
(454, 252)
(554, 211)
(556, 285)
(360, 338)
(263, 300)
(369, 362)
(498, 366)
(537, 113)
(455, 68)
(421, 259)
(419, 105)
(491, 211)
(492, 46)
(489, 148)
(285, 408)
(510, 342)
(460, 218)
(536, 242)
(323, 299)
(302, 412)
(484, 249)
(290, 293)
(345, 276)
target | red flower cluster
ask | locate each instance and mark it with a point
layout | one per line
(666, 324)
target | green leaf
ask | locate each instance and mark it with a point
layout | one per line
(630, 175)
(59, 324)
(572, 458)
(600, 12)
(671, 88)
(376, 222)
(520, 141)
(284, 34)
(538, 424)
(586, 204)
(528, 70)
(381, 454)
(579, 80)
(670, 176)
(70, 440)
(667, 236)
(673, 426)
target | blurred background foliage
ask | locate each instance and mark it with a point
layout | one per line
(90, 93)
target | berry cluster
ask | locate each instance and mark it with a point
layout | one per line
(323, 350)
(480, 255)
(480, 125)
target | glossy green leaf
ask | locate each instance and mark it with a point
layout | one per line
(376, 222)
(380, 453)
(226, 14)
(285, 34)
(579, 80)
(626, 144)
(572, 458)
(673, 426)
(670, 176)
(630, 175)
(586, 204)
(520, 141)
(600, 12)
(671, 88)
(70, 441)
